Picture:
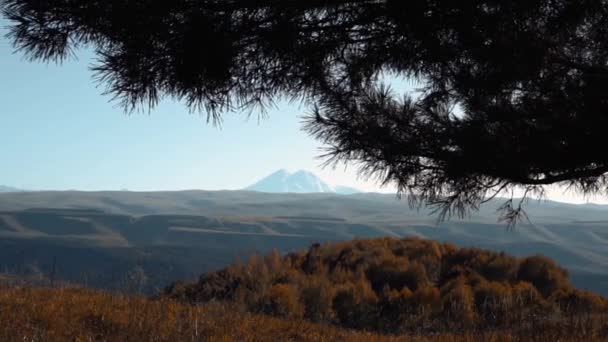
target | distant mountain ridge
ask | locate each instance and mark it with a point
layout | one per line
(192, 231)
(300, 181)
(4, 188)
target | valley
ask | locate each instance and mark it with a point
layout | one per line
(145, 240)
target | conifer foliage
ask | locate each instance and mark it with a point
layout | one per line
(512, 92)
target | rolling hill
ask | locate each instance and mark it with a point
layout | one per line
(4, 188)
(108, 238)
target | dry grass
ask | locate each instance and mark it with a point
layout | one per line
(69, 314)
(85, 315)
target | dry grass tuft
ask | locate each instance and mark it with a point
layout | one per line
(69, 314)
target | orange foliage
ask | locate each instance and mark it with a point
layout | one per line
(398, 286)
(282, 300)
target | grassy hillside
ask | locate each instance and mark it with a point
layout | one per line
(363, 207)
(383, 289)
(146, 240)
(83, 315)
(49, 315)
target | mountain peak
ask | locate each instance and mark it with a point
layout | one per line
(301, 181)
(281, 172)
(304, 173)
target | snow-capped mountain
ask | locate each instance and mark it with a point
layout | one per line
(297, 182)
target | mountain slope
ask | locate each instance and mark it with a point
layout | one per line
(346, 190)
(176, 235)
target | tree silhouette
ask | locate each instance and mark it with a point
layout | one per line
(511, 92)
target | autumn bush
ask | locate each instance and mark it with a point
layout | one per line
(403, 286)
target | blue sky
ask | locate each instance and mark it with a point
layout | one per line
(58, 132)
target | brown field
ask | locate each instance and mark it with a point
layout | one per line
(71, 314)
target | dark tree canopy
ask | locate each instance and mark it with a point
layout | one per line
(512, 96)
